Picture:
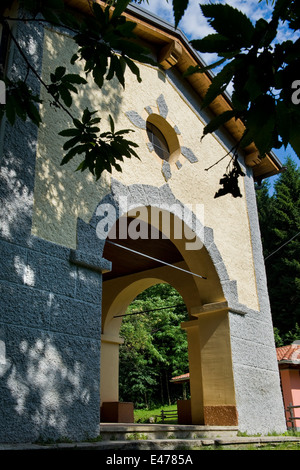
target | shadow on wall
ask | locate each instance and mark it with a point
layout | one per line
(49, 344)
(62, 194)
(16, 195)
(49, 389)
(49, 309)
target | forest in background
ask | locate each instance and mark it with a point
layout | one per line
(154, 349)
(155, 346)
(279, 217)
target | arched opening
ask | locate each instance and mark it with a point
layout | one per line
(159, 255)
(154, 349)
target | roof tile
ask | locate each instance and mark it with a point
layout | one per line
(286, 353)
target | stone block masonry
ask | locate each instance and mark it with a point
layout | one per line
(50, 325)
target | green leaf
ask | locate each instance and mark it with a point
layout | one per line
(263, 34)
(253, 85)
(117, 67)
(127, 29)
(230, 22)
(98, 76)
(219, 84)
(218, 121)
(279, 9)
(260, 120)
(179, 7)
(294, 139)
(246, 139)
(198, 69)
(54, 4)
(213, 43)
(99, 13)
(10, 111)
(33, 113)
(283, 121)
(121, 5)
(17, 102)
(82, 166)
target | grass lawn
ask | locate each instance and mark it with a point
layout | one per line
(142, 416)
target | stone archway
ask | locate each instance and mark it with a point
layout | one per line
(200, 277)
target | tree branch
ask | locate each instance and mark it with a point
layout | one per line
(30, 66)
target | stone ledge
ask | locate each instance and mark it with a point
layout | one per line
(90, 261)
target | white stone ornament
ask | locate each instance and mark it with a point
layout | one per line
(179, 153)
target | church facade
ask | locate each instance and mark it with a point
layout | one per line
(75, 252)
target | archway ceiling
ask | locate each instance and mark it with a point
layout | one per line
(125, 262)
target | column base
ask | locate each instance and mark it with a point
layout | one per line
(184, 411)
(220, 415)
(116, 412)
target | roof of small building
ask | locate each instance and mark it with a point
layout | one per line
(285, 354)
(290, 353)
(181, 378)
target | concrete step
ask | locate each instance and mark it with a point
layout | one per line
(139, 431)
(155, 445)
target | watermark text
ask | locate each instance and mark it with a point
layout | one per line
(175, 222)
(2, 92)
(296, 93)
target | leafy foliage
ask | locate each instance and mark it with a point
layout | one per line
(106, 46)
(261, 73)
(287, 338)
(62, 85)
(261, 68)
(179, 8)
(101, 151)
(230, 180)
(279, 216)
(20, 101)
(100, 37)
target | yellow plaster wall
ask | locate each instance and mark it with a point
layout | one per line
(62, 195)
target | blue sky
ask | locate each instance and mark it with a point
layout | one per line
(194, 25)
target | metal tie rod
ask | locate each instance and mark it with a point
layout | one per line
(142, 312)
(155, 259)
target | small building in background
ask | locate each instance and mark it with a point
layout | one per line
(289, 367)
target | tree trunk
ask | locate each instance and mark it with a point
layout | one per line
(161, 390)
(167, 386)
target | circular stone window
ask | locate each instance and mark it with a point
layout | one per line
(158, 141)
(162, 138)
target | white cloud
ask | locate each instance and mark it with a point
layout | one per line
(161, 8)
(195, 25)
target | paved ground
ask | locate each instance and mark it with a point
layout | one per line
(158, 445)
